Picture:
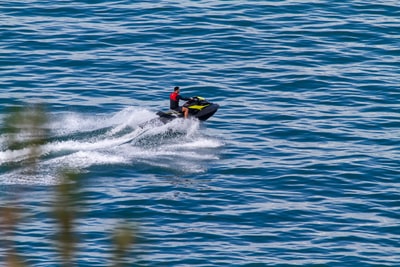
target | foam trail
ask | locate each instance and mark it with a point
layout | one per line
(88, 145)
(130, 136)
(14, 155)
(201, 143)
(130, 117)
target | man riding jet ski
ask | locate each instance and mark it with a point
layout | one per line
(196, 107)
(174, 98)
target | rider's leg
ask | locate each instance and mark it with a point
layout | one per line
(185, 112)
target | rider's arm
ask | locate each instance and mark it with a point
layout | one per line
(184, 98)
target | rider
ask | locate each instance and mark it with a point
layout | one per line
(174, 98)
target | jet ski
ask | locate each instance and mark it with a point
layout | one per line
(198, 107)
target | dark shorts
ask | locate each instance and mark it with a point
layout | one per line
(178, 109)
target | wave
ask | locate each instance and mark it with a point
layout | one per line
(130, 137)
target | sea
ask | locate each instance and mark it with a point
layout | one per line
(300, 166)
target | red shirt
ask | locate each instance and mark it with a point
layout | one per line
(174, 100)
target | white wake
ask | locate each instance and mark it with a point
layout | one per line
(130, 137)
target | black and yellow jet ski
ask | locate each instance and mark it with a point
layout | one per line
(198, 107)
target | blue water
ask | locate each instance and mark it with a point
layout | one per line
(299, 167)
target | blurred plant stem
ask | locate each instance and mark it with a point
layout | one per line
(25, 130)
(65, 211)
(123, 239)
(8, 225)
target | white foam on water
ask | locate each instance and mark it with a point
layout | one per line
(201, 143)
(71, 123)
(9, 156)
(130, 136)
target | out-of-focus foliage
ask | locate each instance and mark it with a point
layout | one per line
(25, 129)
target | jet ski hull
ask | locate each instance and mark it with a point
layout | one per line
(202, 110)
(207, 112)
